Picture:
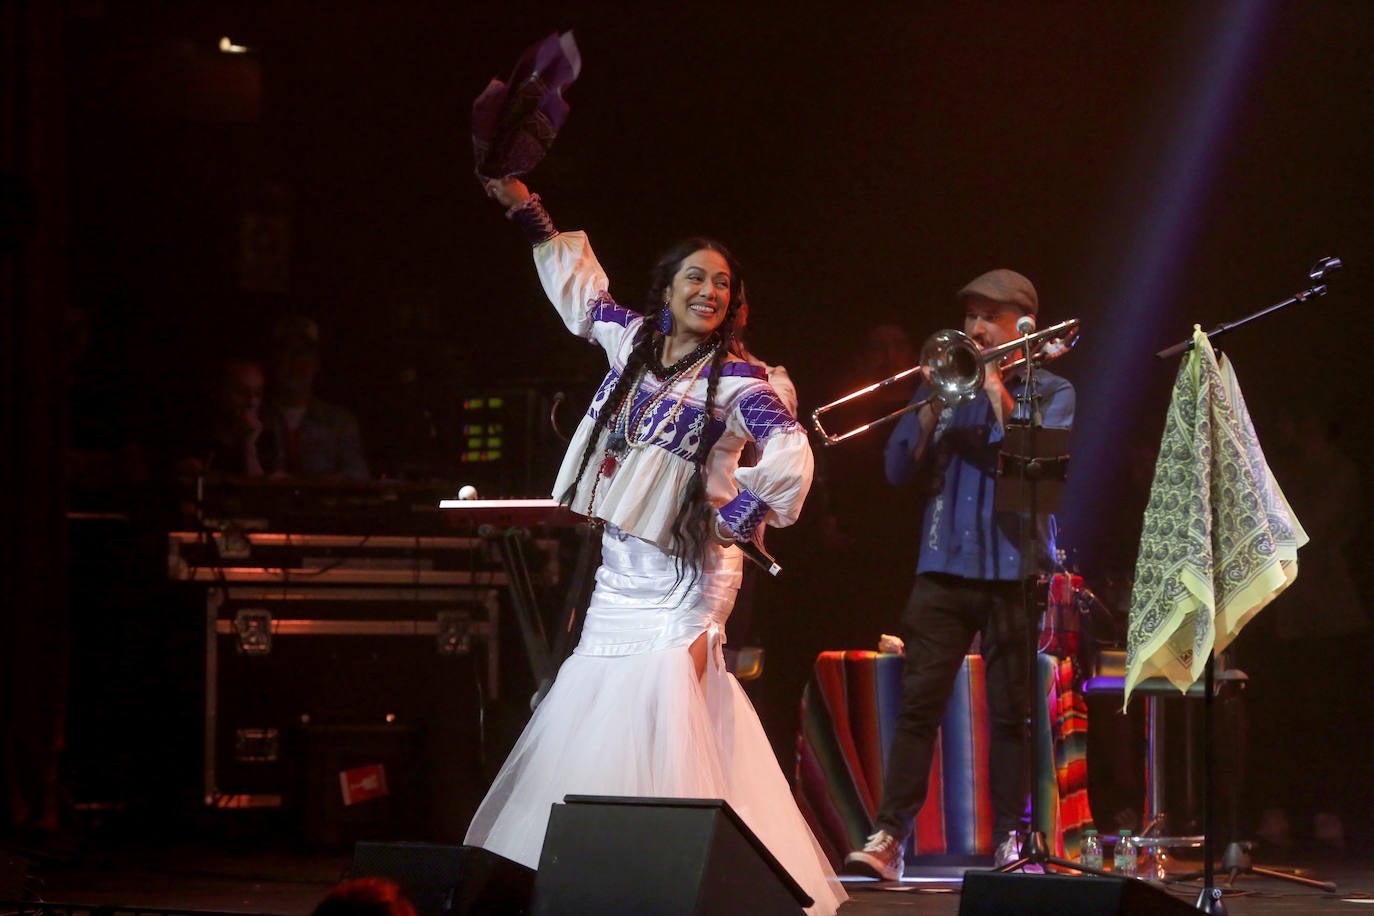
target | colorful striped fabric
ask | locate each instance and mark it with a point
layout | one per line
(848, 714)
(1062, 799)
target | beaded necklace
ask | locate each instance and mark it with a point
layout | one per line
(646, 413)
(690, 359)
(627, 427)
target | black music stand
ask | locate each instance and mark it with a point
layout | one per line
(1032, 464)
(1031, 468)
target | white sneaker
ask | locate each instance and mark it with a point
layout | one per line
(880, 857)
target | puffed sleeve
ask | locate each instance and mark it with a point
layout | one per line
(577, 286)
(773, 490)
(782, 384)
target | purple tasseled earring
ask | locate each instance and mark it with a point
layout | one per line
(664, 322)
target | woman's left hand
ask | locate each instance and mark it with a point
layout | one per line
(721, 534)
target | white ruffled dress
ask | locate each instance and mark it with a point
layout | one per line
(627, 714)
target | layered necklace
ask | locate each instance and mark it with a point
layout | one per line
(634, 428)
(656, 366)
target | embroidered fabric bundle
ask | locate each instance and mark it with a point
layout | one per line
(514, 123)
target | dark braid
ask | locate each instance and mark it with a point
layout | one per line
(643, 349)
(692, 524)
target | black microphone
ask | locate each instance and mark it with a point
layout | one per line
(754, 552)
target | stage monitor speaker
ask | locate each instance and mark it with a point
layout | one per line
(988, 893)
(445, 880)
(666, 856)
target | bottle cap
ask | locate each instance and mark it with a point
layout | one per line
(1090, 831)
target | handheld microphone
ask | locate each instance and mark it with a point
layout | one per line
(761, 558)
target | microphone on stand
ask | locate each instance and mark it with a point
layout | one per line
(1323, 267)
(1024, 326)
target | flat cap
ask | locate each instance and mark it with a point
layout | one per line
(1007, 286)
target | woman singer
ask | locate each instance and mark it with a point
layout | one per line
(645, 705)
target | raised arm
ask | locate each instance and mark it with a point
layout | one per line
(568, 269)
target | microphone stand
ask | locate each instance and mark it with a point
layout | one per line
(1318, 272)
(1035, 851)
(1210, 899)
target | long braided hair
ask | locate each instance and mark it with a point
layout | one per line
(691, 526)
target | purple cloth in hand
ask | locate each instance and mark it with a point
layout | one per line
(514, 123)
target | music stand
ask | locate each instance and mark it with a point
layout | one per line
(1031, 468)
(1032, 464)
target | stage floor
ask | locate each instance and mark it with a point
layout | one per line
(240, 876)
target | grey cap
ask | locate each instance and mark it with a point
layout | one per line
(1007, 286)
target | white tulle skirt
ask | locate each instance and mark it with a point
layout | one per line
(627, 715)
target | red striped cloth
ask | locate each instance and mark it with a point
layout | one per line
(1063, 800)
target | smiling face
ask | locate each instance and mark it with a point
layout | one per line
(699, 293)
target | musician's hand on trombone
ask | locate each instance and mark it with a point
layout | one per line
(992, 378)
(1002, 402)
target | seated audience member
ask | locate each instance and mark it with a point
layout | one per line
(233, 441)
(314, 438)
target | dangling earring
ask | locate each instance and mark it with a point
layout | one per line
(664, 323)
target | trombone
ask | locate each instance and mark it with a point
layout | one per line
(956, 369)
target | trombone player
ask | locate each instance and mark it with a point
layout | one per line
(971, 575)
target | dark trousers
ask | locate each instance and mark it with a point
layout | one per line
(941, 618)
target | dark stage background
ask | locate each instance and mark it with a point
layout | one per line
(1149, 166)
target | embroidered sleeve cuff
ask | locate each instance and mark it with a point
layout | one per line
(533, 220)
(742, 515)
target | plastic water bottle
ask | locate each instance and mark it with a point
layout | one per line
(1090, 849)
(1123, 856)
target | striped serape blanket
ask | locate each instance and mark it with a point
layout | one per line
(848, 715)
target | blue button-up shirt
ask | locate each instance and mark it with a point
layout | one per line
(961, 535)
